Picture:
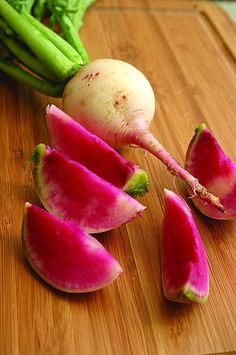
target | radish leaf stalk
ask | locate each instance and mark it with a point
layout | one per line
(61, 13)
(59, 42)
(49, 88)
(47, 53)
(39, 9)
(78, 15)
(26, 57)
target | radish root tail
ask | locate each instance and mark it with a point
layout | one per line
(201, 192)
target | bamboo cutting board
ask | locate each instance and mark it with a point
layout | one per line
(188, 51)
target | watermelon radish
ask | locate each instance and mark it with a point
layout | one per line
(216, 171)
(72, 192)
(64, 255)
(78, 144)
(185, 275)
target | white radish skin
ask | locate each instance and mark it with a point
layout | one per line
(115, 101)
(110, 98)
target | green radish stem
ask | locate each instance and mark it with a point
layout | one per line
(22, 5)
(39, 9)
(71, 36)
(78, 15)
(26, 57)
(47, 53)
(61, 11)
(6, 29)
(27, 5)
(42, 51)
(45, 87)
(59, 42)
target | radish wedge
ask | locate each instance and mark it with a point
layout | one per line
(185, 274)
(206, 160)
(64, 255)
(72, 192)
(78, 144)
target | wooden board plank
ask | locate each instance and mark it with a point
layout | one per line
(188, 57)
(148, 4)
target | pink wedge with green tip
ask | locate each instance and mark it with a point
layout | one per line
(72, 192)
(185, 274)
(78, 144)
(206, 160)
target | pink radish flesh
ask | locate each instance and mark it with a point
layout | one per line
(78, 144)
(64, 255)
(207, 161)
(72, 192)
(184, 264)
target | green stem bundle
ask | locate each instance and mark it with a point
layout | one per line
(26, 57)
(46, 87)
(41, 58)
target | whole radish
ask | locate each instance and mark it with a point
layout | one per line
(115, 101)
(112, 99)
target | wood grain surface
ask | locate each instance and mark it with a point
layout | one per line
(187, 50)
